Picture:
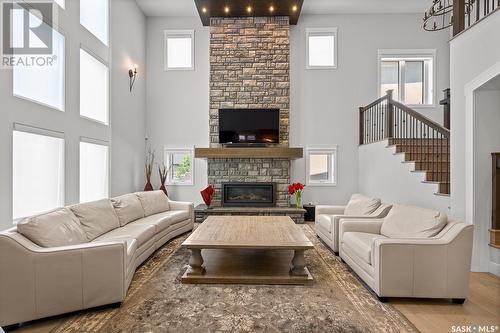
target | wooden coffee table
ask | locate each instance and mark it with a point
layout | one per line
(248, 249)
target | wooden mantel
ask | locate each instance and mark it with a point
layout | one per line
(248, 152)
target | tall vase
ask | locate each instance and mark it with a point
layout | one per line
(148, 186)
(298, 199)
(164, 189)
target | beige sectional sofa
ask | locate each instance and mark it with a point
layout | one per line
(85, 255)
(359, 206)
(412, 252)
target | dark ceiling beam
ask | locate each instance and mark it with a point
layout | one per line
(248, 8)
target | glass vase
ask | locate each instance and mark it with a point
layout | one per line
(298, 199)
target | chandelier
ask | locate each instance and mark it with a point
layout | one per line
(440, 15)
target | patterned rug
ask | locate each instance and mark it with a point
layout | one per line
(157, 301)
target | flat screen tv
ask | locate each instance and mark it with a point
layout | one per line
(249, 126)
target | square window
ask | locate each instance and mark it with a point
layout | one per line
(41, 84)
(180, 163)
(179, 50)
(321, 165)
(321, 48)
(410, 74)
(94, 17)
(94, 91)
(38, 171)
(94, 171)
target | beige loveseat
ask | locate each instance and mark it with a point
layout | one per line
(412, 252)
(359, 206)
(85, 255)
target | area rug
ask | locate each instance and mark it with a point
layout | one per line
(157, 301)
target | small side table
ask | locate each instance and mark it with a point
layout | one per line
(310, 214)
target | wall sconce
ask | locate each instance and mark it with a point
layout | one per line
(132, 74)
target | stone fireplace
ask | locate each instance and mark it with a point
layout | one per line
(248, 194)
(249, 68)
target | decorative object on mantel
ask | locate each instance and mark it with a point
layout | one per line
(440, 15)
(150, 159)
(296, 189)
(132, 74)
(207, 195)
(163, 173)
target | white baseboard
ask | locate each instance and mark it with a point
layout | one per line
(494, 268)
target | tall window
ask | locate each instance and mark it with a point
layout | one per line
(94, 170)
(321, 50)
(180, 163)
(38, 170)
(179, 50)
(321, 165)
(410, 74)
(94, 88)
(94, 16)
(43, 82)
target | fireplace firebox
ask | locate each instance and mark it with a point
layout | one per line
(248, 194)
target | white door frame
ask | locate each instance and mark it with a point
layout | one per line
(480, 254)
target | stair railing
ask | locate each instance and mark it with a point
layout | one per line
(426, 141)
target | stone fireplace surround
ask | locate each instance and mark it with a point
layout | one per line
(249, 68)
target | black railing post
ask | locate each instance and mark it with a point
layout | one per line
(361, 126)
(446, 105)
(390, 115)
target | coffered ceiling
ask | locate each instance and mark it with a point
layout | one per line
(188, 7)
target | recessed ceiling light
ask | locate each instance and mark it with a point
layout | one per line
(204, 10)
(226, 9)
(249, 9)
(271, 9)
(294, 8)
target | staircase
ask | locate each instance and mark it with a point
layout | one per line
(422, 141)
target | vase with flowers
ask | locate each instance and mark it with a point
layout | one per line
(296, 189)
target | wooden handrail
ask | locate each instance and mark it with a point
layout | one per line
(378, 101)
(431, 123)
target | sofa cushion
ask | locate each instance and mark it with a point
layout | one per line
(97, 217)
(163, 220)
(153, 202)
(361, 244)
(413, 222)
(324, 222)
(141, 233)
(59, 227)
(361, 205)
(128, 208)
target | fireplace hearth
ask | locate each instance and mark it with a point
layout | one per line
(248, 194)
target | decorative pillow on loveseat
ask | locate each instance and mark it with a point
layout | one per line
(59, 227)
(96, 217)
(153, 202)
(128, 208)
(361, 205)
(413, 222)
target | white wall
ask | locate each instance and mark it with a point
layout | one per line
(382, 174)
(177, 101)
(324, 103)
(128, 28)
(16, 110)
(486, 141)
(473, 57)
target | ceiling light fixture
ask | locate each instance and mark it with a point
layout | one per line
(226, 9)
(294, 8)
(249, 9)
(204, 9)
(271, 9)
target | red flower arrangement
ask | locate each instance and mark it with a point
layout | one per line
(296, 189)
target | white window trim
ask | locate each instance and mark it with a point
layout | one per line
(409, 54)
(105, 63)
(106, 42)
(95, 142)
(332, 151)
(169, 150)
(323, 32)
(45, 132)
(177, 33)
